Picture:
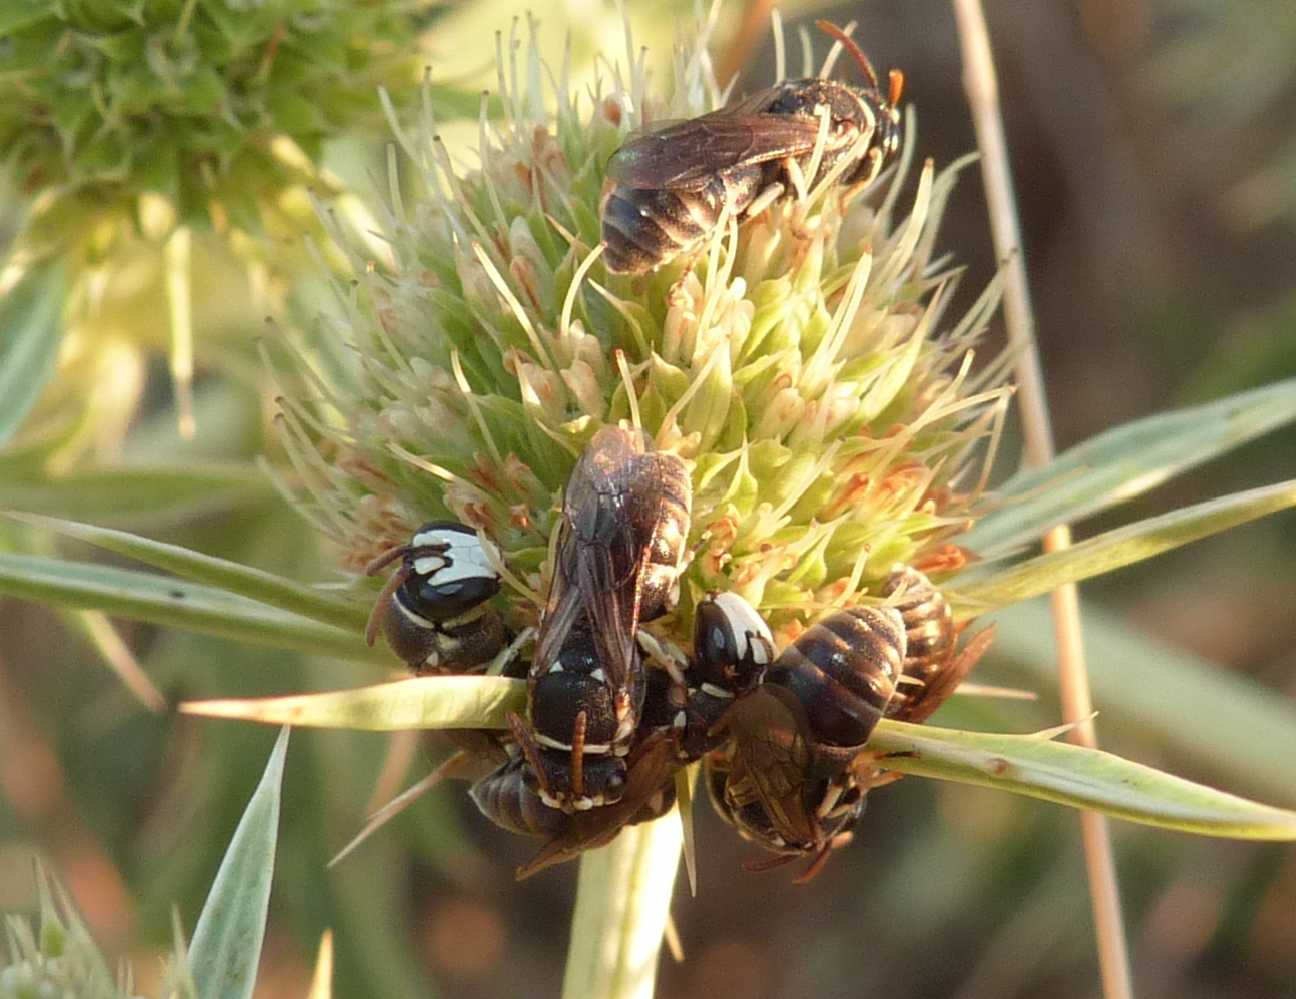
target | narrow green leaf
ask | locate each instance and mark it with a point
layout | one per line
(1125, 462)
(1121, 547)
(144, 494)
(1072, 775)
(1027, 765)
(1226, 724)
(226, 947)
(31, 330)
(174, 603)
(245, 581)
(419, 702)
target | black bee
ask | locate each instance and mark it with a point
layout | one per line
(732, 646)
(509, 799)
(621, 547)
(434, 610)
(670, 187)
(789, 777)
(933, 667)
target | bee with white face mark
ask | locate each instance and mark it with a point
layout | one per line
(434, 611)
(732, 646)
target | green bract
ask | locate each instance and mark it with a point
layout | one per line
(209, 104)
(803, 362)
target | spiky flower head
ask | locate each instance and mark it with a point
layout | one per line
(802, 364)
(113, 113)
(59, 958)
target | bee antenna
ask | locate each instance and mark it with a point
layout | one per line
(385, 559)
(578, 754)
(391, 586)
(897, 79)
(529, 750)
(849, 43)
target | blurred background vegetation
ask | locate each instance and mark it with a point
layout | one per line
(1155, 164)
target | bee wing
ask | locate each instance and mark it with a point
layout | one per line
(652, 767)
(773, 756)
(689, 154)
(563, 605)
(598, 560)
(918, 707)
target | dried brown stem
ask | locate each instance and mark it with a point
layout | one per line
(1077, 706)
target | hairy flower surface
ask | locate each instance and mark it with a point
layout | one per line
(802, 363)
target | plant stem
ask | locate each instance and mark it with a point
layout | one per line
(623, 900)
(1077, 705)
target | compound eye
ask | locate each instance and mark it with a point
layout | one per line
(440, 599)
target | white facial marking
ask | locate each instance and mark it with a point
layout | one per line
(714, 691)
(681, 720)
(465, 556)
(744, 621)
(598, 675)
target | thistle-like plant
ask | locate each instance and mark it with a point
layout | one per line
(151, 146)
(834, 415)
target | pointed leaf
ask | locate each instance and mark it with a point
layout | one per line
(31, 331)
(226, 945)
(255, 584)
(162, 600)
(1125, 462)
(1227, 724)
(144, 494)
(1121, 547)
(1072, 775)
(419, 702)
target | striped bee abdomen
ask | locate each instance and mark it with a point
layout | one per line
(844, 670)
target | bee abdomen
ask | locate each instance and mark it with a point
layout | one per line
(844, 671)
(928, 621)
(667, 542)
(505, 799)
(644, 228)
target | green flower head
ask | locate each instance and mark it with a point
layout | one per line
(802, 363)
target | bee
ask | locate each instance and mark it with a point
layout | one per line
(732, 646)
(507, 797)
(669, 188)
(814, 816)
(621, 548)
(933, 667)
(434, 610)
(789, 764)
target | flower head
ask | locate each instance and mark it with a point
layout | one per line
(802, 362)
(120, 113)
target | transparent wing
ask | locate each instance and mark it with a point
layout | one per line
(689, 154)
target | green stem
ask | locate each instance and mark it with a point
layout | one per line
(623, 900)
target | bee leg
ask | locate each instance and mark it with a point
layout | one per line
(831, 796)
(769, 863)
(510, 652)
(389, 588)
(664, 655)
(531, 751)
(821, 858)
